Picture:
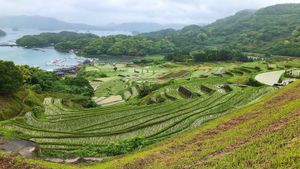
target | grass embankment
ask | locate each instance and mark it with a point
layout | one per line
(264, 134)
(12, 105)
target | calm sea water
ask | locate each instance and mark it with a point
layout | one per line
(39, 57)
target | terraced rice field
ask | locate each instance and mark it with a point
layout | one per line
(65, 129)
(269, 78)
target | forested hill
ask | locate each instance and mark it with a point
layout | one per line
(271, 30)
(2, 33)
(274, 29)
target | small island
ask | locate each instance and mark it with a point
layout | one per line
(2, 33)
(86, 44)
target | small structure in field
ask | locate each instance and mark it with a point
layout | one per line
(207, 90)
(225, 87)
(68, 70)
(185, 92)
(293, 73)
(284, 82)
(88, 62)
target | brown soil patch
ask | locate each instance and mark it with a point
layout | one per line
(175, 75)
(273, 127)
(289, 95)
(203, 68)
(11, 162)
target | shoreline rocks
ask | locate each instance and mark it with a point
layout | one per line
(76, 160)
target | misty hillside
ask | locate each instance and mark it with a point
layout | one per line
(142, 27)
(41, 23)
(2, 33)
(275, 29)
(46, 23)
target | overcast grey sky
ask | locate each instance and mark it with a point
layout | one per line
(118, 11)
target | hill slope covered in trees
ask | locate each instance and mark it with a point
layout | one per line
(274, 29)
(271, 30)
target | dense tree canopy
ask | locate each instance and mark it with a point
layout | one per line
(49, 39)
(208, 55)
(42, 81)
(273, 30)
(50, 82)
(224, 54)
(87, 44)
(11, 78)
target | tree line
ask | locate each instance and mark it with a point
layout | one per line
(208, 55)
(91, 45)
(13, 77)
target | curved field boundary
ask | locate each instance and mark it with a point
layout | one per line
(269, 78)
(67, 129)
(269, 127)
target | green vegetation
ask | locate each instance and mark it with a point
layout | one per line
(18, 103)
(263, 134)
(11, 78)
(159, 101)
(293, 73)
(92, 45)
(23, 88)
(218, 55)
(63, 130)
(272, 30)
(50, 39)
(126, 45)
(268, 127)
(199, 79)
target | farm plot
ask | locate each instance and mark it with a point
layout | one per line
(175, 75)
(65, 130)
(269, 78)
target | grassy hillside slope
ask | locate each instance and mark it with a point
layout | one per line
(12, 105)
(264, 134)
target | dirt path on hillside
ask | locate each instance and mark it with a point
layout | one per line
(167, 154)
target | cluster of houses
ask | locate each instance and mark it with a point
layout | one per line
(73, 69)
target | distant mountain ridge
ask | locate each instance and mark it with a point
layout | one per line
(41, 23)
(47, 23)
(2, 33)
(142, 27)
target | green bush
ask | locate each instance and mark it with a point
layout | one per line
(84, 101)
(11, 78)
(37, 111)
(253, 82)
